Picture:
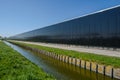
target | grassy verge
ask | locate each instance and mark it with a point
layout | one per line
(13, 66)
(101, 59)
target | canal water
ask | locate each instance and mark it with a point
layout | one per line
(61, 70)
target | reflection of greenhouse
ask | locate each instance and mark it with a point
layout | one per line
(97, 29)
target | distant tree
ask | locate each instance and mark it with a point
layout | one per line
(0, 37)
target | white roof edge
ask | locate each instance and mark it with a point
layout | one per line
(77, 17)
(88, 14)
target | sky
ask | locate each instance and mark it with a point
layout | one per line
(18, 16)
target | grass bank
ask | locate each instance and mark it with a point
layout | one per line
(14, 66)
(101, 59)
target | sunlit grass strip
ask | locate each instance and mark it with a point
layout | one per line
(101, 59)
(13, 66)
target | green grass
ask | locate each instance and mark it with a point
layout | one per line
(14, 66)
(101, 59)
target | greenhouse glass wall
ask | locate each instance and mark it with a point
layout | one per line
(98, 29)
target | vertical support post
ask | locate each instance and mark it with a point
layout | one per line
(80, 63)
(112, 73)
(96, 68)
(90, 66)
(85, 65)
(64, 58)
(104, 69)
(68, 60)
(75, 62)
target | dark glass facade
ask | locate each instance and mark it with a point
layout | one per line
(98, 29)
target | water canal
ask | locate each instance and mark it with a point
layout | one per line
(60, 70)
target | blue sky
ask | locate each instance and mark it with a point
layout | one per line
(18, 16)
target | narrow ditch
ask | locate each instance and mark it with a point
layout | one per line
(60, 70)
